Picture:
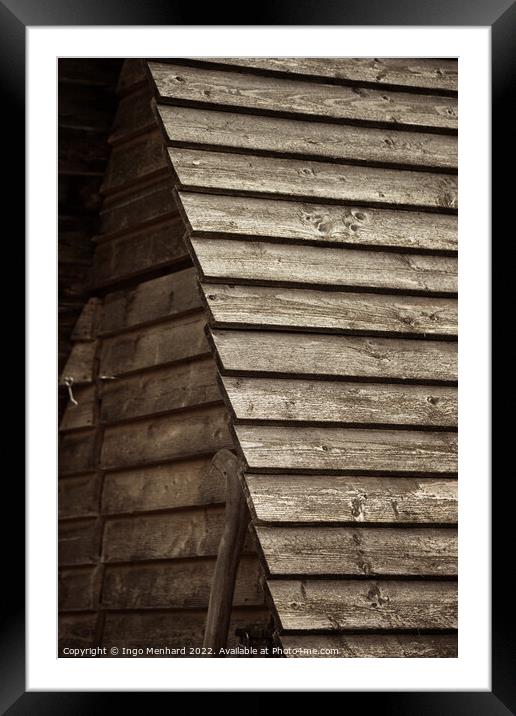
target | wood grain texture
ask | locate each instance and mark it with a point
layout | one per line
(258, 261)
(183, 534)
(176, 585)
(330, 311)
(255, 92)
(78, 588)
(176, 629)
(370, 646)
(129, 256)
(247, 132)
(347, 552)
(79, 364)
(343, 356)
(132, 75)
(328, 401)
(142, 205)
(135, 114)
(134, 161)
(77, 452)
(180, 484)
(234, 216)
(166, 438)
(85, 329)
(181, 339)
(79, 496)
(81, 415)
(237, 173)
(166, 297)
(343, 604)
(296, 448)
(79, 542)
(350, 499)
(428, 73)
(169, 389)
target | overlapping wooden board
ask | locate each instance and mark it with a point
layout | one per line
(370, 646)
(323, 101)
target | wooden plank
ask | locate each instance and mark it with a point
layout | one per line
(187, 533)
(329, 401)
(178, 387)
(350, 499)
(175, 629)
(296, 448)
(180, 484)
(166, 297)
(86, 327)
(79, 542)
(143, 205)
(136, 113)
(129, 256)
(79, 496)
(237, 173)
(81, 415)
(132, 75)
(425, 73)
(254, 92)
(370, 646)
(102, 72)
(85, 107)
(234, 216)
(348, 552)
(82, 152)
(330, 311)
(134, 161)
(76, 631)
(343, 356)
(77, 452)
(259, 261)
(247, 132)
(79, 365)
(78, 588)
(166, 438)
(175, 585)
(181, 339)
(348, 604)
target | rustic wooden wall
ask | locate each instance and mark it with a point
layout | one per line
(321, 203)
(141, 510)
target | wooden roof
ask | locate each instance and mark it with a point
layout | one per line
(320, 199)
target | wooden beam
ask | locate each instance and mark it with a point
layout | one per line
(230, 547)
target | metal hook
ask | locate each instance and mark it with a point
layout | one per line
(68, 381)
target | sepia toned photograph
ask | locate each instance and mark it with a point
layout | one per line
(257, 265)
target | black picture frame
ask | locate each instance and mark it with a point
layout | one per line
(500, 15)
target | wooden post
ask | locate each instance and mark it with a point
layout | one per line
(230, 547)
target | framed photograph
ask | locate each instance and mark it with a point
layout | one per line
(258, 266)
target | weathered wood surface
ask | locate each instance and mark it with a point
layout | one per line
(169, 296)
(330, 311)
(213, 214)
(79, 496)
(76, 631)
(143, 205)
(347, 552)
(83, 414)
(186, 385)
(85, 329)
(135, 115)
(176, 535)
(348, 604)
(349, 499)
(133, 75)
(180, 484)
(224, 172)
(79, 541)
(435, 74)
(371, 646)
(242, 132)
(343, 356)
(296, 448)
(78, 588)
(80, 363)
(76, 452)
(174, 628)
(328, 101)
(231, 544)
(128, 256)
(176, 585)
(132, 162)
(166, 438)
(260, 261)
(180, 339)
(328, 401)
